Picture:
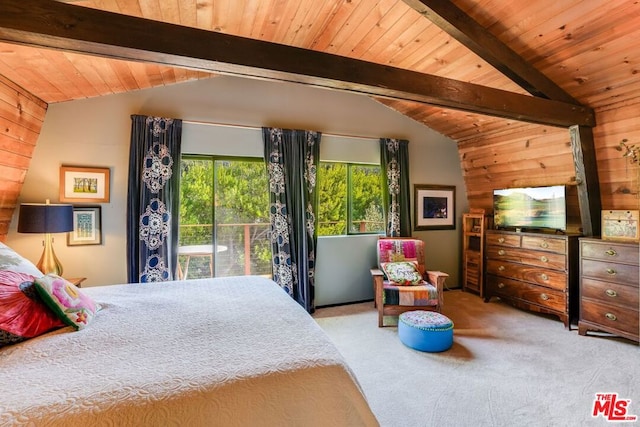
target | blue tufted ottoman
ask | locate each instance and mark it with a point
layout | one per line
(425, 330)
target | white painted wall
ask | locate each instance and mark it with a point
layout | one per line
(95, 132)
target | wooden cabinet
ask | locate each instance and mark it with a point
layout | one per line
(533, 271)
(473, 228)
(609, 288)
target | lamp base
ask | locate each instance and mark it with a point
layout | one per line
(49, 263)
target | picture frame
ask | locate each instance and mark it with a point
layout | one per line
(434, 207)
(84, 184)
(87, 226)
(620, 225)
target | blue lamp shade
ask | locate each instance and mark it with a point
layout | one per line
(45, 218)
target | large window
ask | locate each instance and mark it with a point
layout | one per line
(224, 222)
(224, 218)
(350, 199)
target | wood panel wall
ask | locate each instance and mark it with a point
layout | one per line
(518, 154)
(521, 155)
(21, 119)
(533, 155)
(619, 178)
(502, 153)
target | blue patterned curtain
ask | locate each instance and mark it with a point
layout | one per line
(394, 160)
(292, 158)
(153, 200)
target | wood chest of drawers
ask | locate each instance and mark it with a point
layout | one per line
(533, 271)
(609, 288)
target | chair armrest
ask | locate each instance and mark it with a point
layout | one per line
(378, 279)
(437, 279)
(376, 272)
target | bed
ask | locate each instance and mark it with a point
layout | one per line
(214, 352)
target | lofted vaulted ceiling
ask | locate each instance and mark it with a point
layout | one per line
(576, 44)
(578, 53)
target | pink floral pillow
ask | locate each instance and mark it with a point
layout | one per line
(403, 273)
(65, 299)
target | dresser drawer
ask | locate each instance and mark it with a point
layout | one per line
(619, 273)
(544, 244)
(610, 293)
(510, 240)
(545, 277)
(512, 289)
(608, 251)
(524, 256)
(610, 316)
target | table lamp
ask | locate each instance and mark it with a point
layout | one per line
(46, 218)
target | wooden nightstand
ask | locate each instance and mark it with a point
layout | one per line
(76, 280)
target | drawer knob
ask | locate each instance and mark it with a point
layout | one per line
(544, 245)
(501, 240)
(611, 316)
(611, 252)
(544, 297)
(500, 285)
(611, 272)
(611, 293)
(544, 277)
(501, 252)
(544, 259)
(501, 268)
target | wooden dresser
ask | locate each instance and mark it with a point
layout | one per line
(533, 271)
(609, 287)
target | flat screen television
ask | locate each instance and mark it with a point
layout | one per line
(531, 208)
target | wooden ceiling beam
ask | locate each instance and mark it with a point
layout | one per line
(56, 25)
(463, 28)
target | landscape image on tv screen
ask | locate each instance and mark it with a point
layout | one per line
(531, 207)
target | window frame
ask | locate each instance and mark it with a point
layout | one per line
(213, 158)
(349, 166)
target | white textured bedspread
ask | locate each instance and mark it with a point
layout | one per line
(215, 352)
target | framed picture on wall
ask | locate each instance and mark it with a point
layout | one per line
(84, 184)
(87, 226)
(434, 207)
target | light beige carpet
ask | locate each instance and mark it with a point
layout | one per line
(507, 367)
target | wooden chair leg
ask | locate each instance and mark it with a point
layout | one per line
(378, 298)
(375, 300)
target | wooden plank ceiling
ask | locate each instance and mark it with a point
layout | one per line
(589, 49)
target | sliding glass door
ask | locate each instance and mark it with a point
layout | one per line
(224, 223)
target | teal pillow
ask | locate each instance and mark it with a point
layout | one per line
(67, 301)
(403, 273)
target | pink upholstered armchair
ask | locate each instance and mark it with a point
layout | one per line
(401, 282)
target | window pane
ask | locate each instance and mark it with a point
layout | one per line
(240, 215)
(196, 218)
(241, 218)
(332, 199)
(366, 214)
(196, 196)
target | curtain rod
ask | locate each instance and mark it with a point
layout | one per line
(197, 122)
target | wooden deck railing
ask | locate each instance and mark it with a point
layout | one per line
(238, 244)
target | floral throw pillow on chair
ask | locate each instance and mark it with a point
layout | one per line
(403, 273)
